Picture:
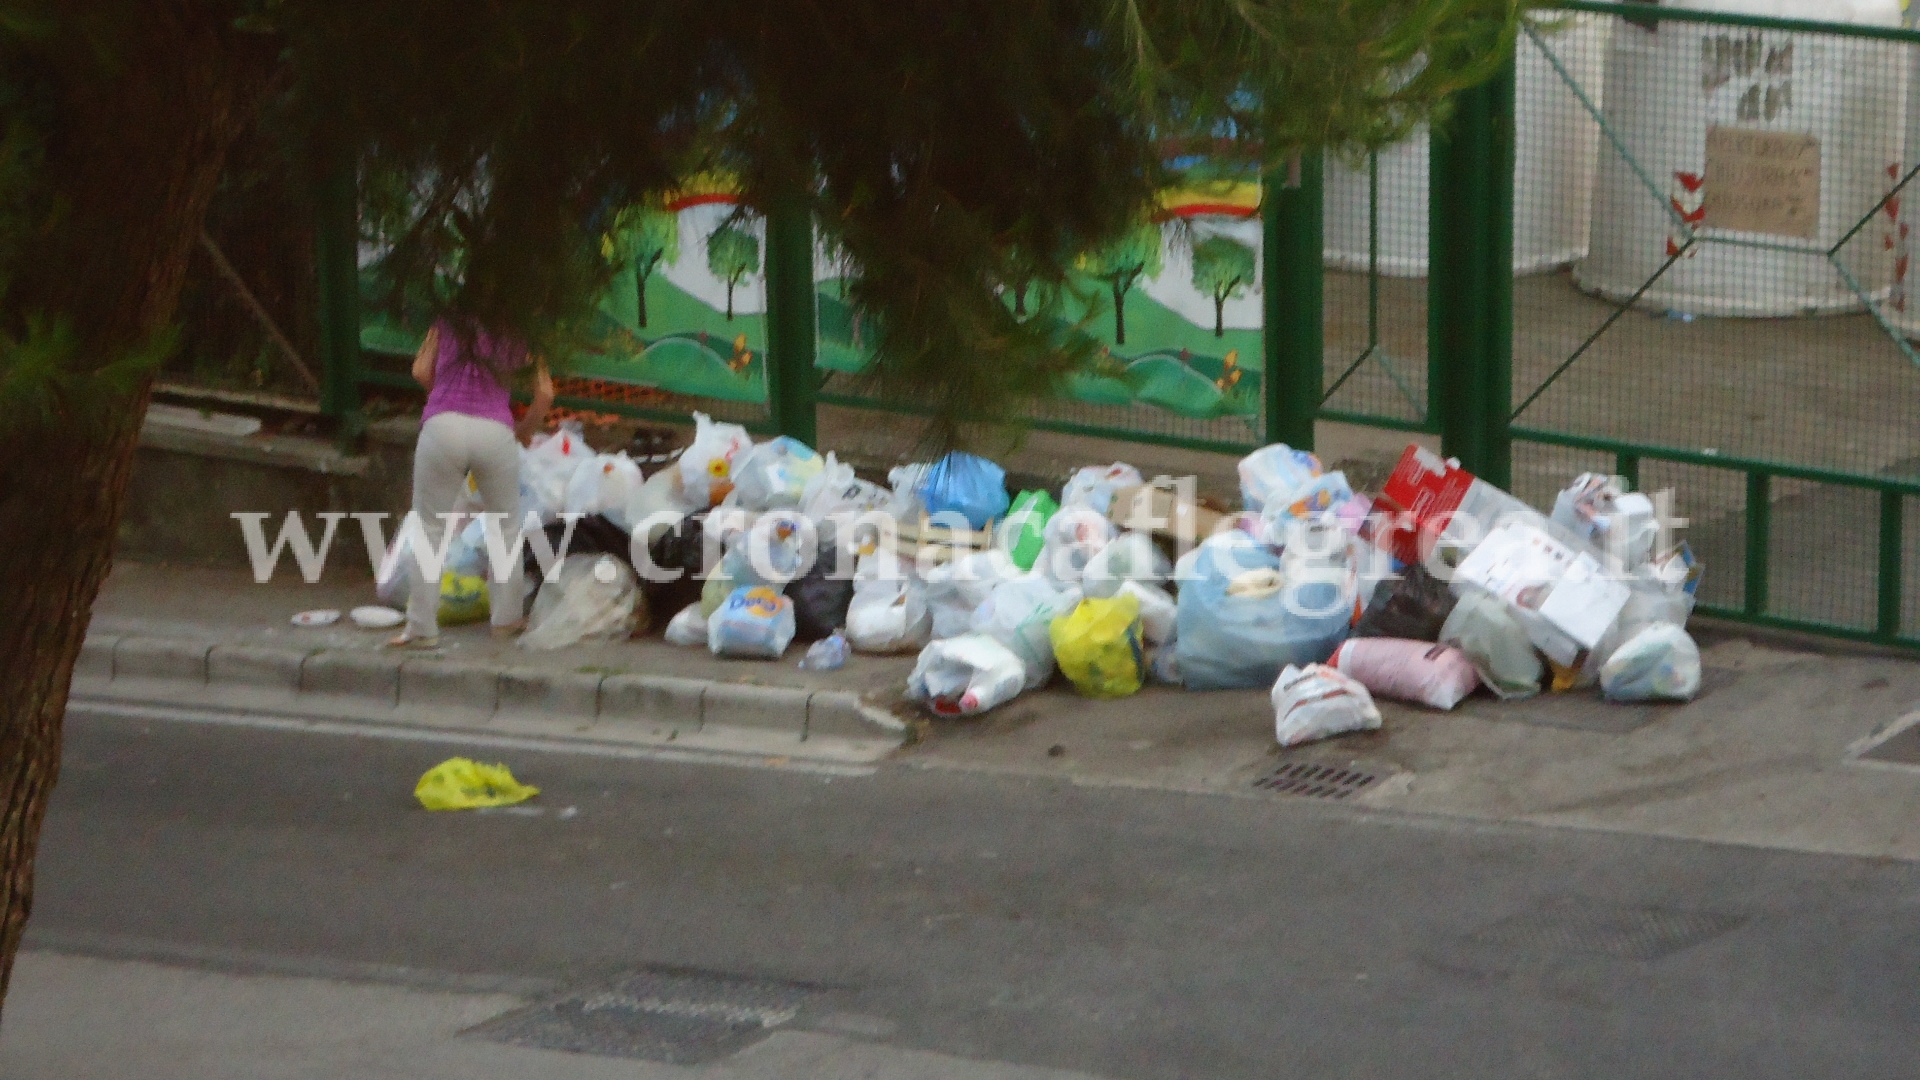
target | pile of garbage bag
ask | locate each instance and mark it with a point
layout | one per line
(1437, 587)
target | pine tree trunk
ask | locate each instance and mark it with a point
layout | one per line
(136, 160)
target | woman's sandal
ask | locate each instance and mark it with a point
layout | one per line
(408, 641)
(511, 630)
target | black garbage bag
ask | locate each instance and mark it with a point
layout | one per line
(682, 548)
(1415, 607)
(820, 599)
(592, 535)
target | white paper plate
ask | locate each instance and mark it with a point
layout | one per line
(321, 617)
(375, 617)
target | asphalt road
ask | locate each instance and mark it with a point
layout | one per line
(1129, 933)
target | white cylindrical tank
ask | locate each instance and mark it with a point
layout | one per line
(1555, 146)
(1805, 140)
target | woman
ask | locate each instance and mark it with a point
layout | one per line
(468, 427)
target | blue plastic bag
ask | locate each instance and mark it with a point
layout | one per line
(1235, 630)
(970, 486)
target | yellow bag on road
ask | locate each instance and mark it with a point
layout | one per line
(1097, 646)
(464, 784)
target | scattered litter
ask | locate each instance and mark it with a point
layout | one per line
(373, 617)
(964, 675)
(317, 617)
(827, 654)
(1317, 702)
(464, 784)
(1437, 676)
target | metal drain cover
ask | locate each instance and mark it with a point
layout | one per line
(1313, 780)
(679, 1018)
(1620, 933)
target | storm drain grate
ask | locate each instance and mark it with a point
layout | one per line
(1621, 933)
(679, 1018)
(1311, 780)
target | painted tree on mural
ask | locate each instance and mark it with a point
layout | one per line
(1121, 263)
(642, 237)
(527, 123)
(1222, 269)
(732, 254)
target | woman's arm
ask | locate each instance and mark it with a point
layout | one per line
(423, 361)
(536, 417)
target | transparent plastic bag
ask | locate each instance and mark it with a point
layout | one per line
(1273, 472)
(1095, 485)
(605, 484)
(688, 627)
(888, 614)
(1482, 627)
(1660, 663)
(1240, 621)
(546, 466)
(956, 588)
(706, 467)
(594, 596)
(1019, 614)
(774, 474)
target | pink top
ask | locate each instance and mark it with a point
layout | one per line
(462, 386)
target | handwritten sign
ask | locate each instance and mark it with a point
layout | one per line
(1763, 182)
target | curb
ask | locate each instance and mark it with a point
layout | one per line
(417, 689)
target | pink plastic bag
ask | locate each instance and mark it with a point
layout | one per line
(1437, 676)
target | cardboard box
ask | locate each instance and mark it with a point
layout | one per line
(1163, 511)
(1440, 498)
(1537, 574)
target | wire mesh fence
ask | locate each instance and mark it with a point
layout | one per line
(1739, 293)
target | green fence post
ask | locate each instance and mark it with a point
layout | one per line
(793, 384)
(337, 269)
(1470, 278)
(1292, 310)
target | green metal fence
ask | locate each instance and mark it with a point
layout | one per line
(1663, 243)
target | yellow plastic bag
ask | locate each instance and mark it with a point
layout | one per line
(1097, 646)
(463, 599)
(464, 784)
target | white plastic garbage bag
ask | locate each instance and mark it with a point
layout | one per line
(1158, 612)
(888, 614)
(753, 622)
(1482, 626)
(688, 627)
(958, 586)
(1598, 510)
(1273, 472)
(1072, 538)
(1129, 557)
(1437, 676)
(1660, 663)
(660, 494)
(1018, 614)
(903, 502)
(546, 465)
(1094, 486)
(774, 474)
(964, 675)
(706, 468)
(836, 490)
(593, 597)
(604, 484)
(1316, 702)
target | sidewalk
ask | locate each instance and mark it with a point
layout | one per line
(1765, 756)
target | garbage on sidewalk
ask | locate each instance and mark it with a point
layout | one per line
(1318, 702)
(1097, 646)
(964, 675)
(593, 596)
(464, 784)
(1327, 597)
